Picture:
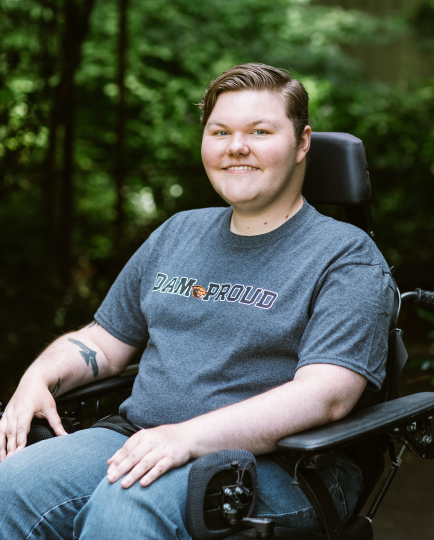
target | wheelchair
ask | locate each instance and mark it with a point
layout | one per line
(337, 175)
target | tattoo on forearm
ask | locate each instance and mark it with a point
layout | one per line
(91, 325)
(56, 388)
(88, 355)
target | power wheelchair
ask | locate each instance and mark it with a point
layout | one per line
(337, 175)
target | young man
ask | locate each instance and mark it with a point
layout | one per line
(260, 320)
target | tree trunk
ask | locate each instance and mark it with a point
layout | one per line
(59, 211)
(66, 196)
(66, 211)
(119, 169)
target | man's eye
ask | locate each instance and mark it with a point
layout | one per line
(260, 132)
(221, 133)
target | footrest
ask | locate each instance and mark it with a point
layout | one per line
(357, 529)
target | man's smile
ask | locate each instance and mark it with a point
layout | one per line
(241, 168)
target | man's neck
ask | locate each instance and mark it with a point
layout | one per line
(252, 224)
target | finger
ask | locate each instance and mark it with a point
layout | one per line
(118, 456)
(23, 427)
(117, 471)
(149, 461)
(131, 460)
(3, 428)
(161, 467)
(123, 452)
(11, 436)
(55, 422)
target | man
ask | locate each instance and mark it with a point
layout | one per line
(260, 320)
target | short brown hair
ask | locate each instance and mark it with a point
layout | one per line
(260, 77)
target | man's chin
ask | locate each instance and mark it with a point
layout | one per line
(247, 206)
(245, 203)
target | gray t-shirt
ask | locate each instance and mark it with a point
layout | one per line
(225, 317)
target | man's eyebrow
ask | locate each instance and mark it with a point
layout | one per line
(251, 124)
(217, 124)
(262, 121)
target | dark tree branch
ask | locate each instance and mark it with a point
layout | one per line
(119, 170)
(77, 16)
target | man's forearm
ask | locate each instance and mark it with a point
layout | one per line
(259, 422)
(72, 360)
(318, 394)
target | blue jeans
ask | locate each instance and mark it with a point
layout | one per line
(57, 489)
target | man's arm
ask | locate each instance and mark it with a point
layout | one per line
(319, 394)
(72, 360)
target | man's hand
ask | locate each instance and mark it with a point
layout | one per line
(319, 393)
(32, 398)
(150, 453)
(72, 360)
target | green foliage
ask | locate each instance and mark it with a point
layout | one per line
(175, 47)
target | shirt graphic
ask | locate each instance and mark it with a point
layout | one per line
(216, 292)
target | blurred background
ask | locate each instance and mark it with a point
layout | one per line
(100, 138)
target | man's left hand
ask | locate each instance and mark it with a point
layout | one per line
(148, 454)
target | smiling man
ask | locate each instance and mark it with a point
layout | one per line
(255, 160)
(260, 319)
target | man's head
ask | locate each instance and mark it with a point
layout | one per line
(261, 77)
(256, 139)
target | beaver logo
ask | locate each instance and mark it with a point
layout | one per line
(198, 291)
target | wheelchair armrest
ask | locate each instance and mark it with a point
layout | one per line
(100, 388)
(354, 428)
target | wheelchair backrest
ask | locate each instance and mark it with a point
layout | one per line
(337, 174)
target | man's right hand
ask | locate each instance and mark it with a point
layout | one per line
(31, 398)
(72, 360)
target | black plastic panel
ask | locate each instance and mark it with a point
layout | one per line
(357, 427)
(97, 389)
(338, 170)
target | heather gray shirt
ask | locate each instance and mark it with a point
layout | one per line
(225, 317)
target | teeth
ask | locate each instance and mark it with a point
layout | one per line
(244, 167)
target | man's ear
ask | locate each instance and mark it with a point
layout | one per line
(304, 144)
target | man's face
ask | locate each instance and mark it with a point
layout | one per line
(249, 150)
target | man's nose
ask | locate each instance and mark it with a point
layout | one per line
(238, 146)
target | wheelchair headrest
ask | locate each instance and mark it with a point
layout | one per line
(338, 171)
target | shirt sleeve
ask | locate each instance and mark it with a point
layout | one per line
(120, 313)
(349, 323)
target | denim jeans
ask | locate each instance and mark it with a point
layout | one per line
(57, 489)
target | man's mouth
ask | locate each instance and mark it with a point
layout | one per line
(241, 168)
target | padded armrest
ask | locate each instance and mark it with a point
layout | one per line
(354, 428)
(100, 388)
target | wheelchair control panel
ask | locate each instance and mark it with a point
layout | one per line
(227, 502)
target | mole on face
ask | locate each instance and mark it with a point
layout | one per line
(287, 217)
(265, 223)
